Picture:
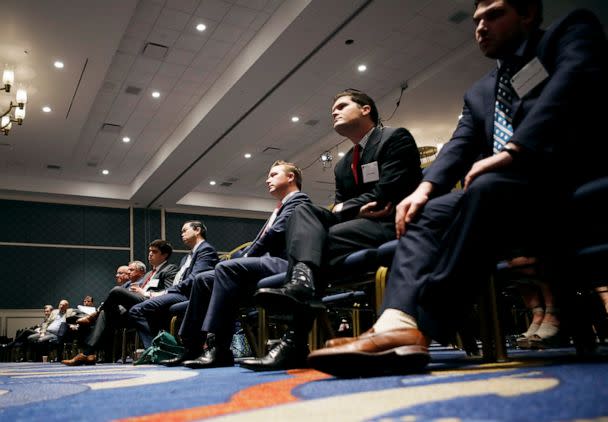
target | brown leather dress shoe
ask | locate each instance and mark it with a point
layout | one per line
(339, 341)
(87, 320)
(391, 352)
(80, 359)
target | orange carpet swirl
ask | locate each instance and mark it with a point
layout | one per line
(258, 396)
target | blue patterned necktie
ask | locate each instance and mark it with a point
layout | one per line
(503, 110)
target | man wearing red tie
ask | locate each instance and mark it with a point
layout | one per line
(216, 294)
(110, 314)
(381, 169)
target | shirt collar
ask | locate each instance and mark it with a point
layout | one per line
(289, 195)
(364, 140)
(196, 247)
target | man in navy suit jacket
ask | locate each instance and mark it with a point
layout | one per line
(516, 180)
(148, 316)
(215, 294)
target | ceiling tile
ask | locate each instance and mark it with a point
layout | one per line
(171, 70)
(188, 6)
(131, 45)
(163, 36)
(240, 16)
(173, 19)
(180, 56)
(213, 9)
(139, 30)
(227, 33)
(119, 69)
(191, 43)
(253, 4)
(193, 74)
(216, 49)
(146, 12)
(205, 64)
(259, 21)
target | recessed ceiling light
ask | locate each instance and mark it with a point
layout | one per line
(362, 68)
(105, 172)
(247, 155)
(212, 182)
(340, 154)
(58, 64)
(201, 27)
(295, 119)
(46, 109)
(126, 139)
(156, 94)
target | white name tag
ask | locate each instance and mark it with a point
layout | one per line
(153, 283)
(370, 172)
(529, 77)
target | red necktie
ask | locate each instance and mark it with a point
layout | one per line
(148, 278)
(273, 217)
(355, 165)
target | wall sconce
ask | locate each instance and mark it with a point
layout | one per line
(6, 119)
(326, 159)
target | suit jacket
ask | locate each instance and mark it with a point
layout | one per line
(273, 241)
(165, 278)
(205, 258)
(398, 165)
(558, 123)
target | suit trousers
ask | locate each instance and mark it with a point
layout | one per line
(452, 247)
(235, 281)
(149, 316)
(318, 237)
(110, 314)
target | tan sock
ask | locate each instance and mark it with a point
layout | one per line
(393, 319)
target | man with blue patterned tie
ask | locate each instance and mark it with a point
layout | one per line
(513, 145)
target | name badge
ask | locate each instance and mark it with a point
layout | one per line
(370, 172)
(153, 282)
(529, 77)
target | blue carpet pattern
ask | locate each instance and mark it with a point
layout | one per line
(541, 386)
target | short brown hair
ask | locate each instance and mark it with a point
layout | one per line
(290, 168)
(362, 99)
(197, 224)
(163, 246)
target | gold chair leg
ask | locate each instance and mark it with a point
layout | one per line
(492, 339)
(381, 275)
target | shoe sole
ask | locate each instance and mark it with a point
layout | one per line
(400, 360)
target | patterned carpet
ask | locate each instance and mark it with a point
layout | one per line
(540, 386)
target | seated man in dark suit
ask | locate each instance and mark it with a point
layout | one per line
(148, 316)
(514, 146)
(216, 294)
(110, 312)
(382, 167)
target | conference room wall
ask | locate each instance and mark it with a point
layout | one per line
(53, 251)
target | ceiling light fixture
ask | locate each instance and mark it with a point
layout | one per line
(201, 27)
(340, 154)
(6, 119)
(105, 172)
(46, 109)
(58, 64)
(247, 155)
(156, 94)
(326, 159)
(212, 182)
(295, 119)
(126, 139)
(362, 68)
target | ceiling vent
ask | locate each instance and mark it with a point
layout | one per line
(155, 51)
(133, 90)
(110, 128)
(53, 167)
(92, 164)
(459, 16)
(271, 150)
(232, 179)
(312, 122)
(226, 184)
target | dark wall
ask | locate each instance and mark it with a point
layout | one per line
(39, 275)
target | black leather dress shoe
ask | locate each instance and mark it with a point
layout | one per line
(179, 360)
(299, 290)
(285, 355)
(211, 358)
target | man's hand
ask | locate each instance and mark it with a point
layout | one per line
(496, 161)
(409, 207)
(369, 210)
(337, 208)
(137, 289)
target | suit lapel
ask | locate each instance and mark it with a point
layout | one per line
(489, 105)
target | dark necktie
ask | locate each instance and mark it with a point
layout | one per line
(503, 110)
(355, 165)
